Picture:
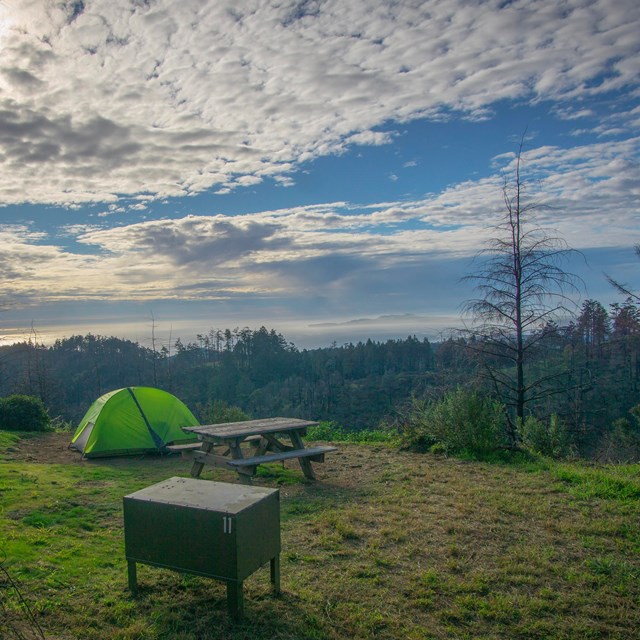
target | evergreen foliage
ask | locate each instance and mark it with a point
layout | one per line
(23, 413)
(238, 374)
(461, 422)
(332, 432)
(219, 411)
(550, 438)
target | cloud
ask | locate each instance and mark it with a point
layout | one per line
(112, 98)
(74, 230)
(198, 242)
(571, 113)
(374, 138)
(336, 255)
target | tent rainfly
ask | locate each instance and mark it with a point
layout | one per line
(131, 421)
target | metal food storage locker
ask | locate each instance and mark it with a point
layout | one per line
(214, 529)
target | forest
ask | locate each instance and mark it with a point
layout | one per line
(532, 369)
(590, 368)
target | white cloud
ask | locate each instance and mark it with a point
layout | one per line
(338, 251)
(570, 113)
(112, 209)
(168, 98)
(74, 230)
(374, 138)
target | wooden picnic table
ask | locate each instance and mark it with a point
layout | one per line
(262, 440)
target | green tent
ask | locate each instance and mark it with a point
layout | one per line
(132, 420)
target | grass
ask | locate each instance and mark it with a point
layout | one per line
(7, 439)
(387, 544)
(330, 431)
(618, 483)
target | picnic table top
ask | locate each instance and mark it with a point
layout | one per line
(229, 430)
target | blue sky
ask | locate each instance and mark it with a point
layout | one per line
(327, 168)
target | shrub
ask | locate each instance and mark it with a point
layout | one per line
(548, 439)
(622, 442)
(462, 422)
(332, 432)
(23, 413)
(414, 428)
(219, 411)
(60, 425)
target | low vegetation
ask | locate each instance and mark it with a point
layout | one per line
(335, 433)
(23, 413)
(388, 544)
(462, 422)
(226, 376)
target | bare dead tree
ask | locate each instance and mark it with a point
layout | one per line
(154, 350)
(625, 289)
(522, 289)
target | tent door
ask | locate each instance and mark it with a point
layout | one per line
(83, 438)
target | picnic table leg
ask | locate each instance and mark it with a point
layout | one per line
(262, 447)
(305, 463)
(244, 475)
(196, 467)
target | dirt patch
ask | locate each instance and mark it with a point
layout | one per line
(349, 465)
(345, 473)
(52, 448)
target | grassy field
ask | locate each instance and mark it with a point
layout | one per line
(386, 544)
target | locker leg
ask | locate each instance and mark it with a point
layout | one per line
(275, 574)
(133, 582)
(235, 600)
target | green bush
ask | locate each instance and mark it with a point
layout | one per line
(414, 428)
(60, 425)
(548, 439)
(219, 411)
(23, 413)
(635, 412)
(622, 442)
(462, 422)
(332, 432)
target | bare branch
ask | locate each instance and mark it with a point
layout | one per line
(521, 287)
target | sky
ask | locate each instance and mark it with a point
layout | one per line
(328, 168)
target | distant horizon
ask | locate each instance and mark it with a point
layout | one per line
(304, 337)
(310, 335)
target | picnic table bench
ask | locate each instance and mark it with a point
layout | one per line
(262, 440)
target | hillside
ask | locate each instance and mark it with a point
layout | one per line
(387, 544)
